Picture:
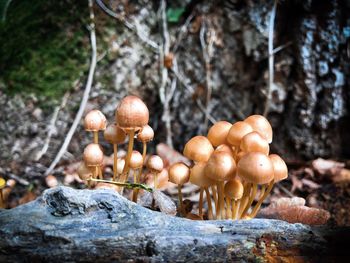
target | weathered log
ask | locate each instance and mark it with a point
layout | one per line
(98, 226)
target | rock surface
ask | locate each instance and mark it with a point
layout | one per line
(67, 225)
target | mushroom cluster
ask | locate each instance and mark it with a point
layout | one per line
(131, 121)
(232, 162)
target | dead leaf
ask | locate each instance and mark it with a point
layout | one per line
(170, 156)
(342, 177)
(29, 196)
(293, 210)
(310, 184)
(323, 166)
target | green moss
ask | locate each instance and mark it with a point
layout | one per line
(44, 46)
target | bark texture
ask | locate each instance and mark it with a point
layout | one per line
(101, 226)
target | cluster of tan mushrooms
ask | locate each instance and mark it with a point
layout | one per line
(232, 161)
(131, 120)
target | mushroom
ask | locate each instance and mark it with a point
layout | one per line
(254, 168)
(220, 167)
(2, 186)
(280, 172)
(179, 174)
(93, 157)
(114, 135)
(136, 163)
(198, 177)
(95, 121)
(198, 149)
(261, 125)
(225, 148)
(237, 132)
(84, 172)
(218, 132)
(254, 142)
(155, 165)
(131, 115)
(233, 192)
(145, 135)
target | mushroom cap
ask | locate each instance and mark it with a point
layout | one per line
(179, 173)
(225, 148)
(146, 134)
(220, 167)
(93, 155)
(234, 189)
(279, 167)
(198, 149)
(218, 132)
(198, 177)
(255, 168)
(155, 164)
(136, 160)
(239, 156)
(261, 125)
(113, 134)
(254, 142)
(120, 165)
(237, 132)
(83, 171)
(95, 120)
(132, 113)
(2, 183)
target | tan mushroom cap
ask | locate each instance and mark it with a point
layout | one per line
(146, 134)
(279, 167)
(136, 160)
(221, 167)
(255, 168)
(254, 142)
(198, 177)
(132, 113)
(155, 164)
(93, 155)
(218, 132)
(84, 172)
(234, 189)
(239, 156)
(179, 173)
(198, 149)
(114, 135)
(121, 164)
(225, 148)
(95, 120)
(237, 132)
(261, 125)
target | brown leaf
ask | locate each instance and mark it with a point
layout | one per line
(310, 184)
(342, 177)
(169, 155)
(323, 166)
(293, 210)
(29, 196)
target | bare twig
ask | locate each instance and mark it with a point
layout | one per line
(126, 184)
(19, 179)
(183, 30)
(207, 50)
(132, 27)
(52, 127)
(85, 95)
(271, 58)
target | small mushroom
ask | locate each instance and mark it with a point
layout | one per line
(254, 142)
(155, 165)
(198, 177)
(179, 174)
(261, 125)
(145, 136)
(84, 172)
(225, 148)
(131, 115)
(218, 132)
(2, 186)
(198, 149)
(114, 135)
(136, 163)
(93, 157)
(237, 131)
(95, 121)
(233, 192)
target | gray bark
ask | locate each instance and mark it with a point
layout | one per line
(101, 226)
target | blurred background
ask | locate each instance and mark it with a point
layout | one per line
(193, 63)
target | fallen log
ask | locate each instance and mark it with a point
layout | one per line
(101, 226)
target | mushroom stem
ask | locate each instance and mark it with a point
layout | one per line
(2, 201)
(262, 198)
(126, 168)
(95, 136)
(200, 208)
(210, 209)
(135, 191)
(233, 209)
(221, 206)
(155, 180)
(251, 199)
(180, 197)
(244, 200)
(228, 208)
(215, 197)
(144, 151)
(115, 161)
(100, 172)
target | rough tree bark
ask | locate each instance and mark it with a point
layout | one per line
(100, 226)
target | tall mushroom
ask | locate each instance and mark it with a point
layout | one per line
(198, 177)
(179, 174)
(136, 163)
(114, 135)
(93, 157)
(95, 121)
(221, 167)
(131, 115)
(145, 136)
(155, 165)
(233, 192)
(280, 172)
(254, 168)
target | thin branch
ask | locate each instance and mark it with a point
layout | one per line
(126, 184)
(271, 58)
(183, 30)
(85, 95)
(132, 27)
